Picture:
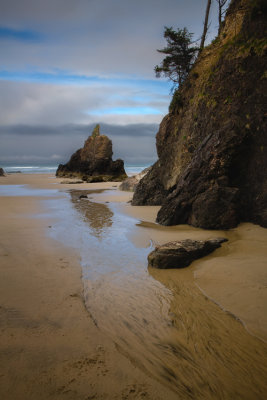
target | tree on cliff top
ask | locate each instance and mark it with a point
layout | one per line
(180, 55)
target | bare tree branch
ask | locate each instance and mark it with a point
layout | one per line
(205, 29)
(221, 4)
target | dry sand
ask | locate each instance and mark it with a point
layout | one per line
(51, 348)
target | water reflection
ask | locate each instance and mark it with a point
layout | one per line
(97, 215)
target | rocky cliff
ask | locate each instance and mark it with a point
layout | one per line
(212, 164)
(93, 162)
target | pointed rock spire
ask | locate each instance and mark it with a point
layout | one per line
(94, 161)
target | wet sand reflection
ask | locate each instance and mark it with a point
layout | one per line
(97, 215)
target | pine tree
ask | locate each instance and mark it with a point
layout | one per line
(180, 55)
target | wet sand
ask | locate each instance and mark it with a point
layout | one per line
(59, 341)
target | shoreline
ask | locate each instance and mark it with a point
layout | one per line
(89, 350)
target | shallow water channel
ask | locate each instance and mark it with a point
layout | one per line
(158, 319)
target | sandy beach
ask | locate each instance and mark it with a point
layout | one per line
(68, 337)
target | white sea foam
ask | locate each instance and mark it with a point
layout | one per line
(51, 169)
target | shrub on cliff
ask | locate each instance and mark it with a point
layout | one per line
(180, 55)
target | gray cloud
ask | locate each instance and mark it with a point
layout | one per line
(98, 36)
(54, 145)
(134, 130)
(27, 103)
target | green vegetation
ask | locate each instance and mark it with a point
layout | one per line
(177, 101)
(228, 100)
(96, 131)
(180, 56)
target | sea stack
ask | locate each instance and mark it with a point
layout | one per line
(93, 163)
(212, 158)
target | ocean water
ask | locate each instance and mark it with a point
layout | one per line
(130, 169)
(135, 169)
(31, 169)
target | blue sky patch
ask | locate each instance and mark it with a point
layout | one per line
(65, 78)
(20, 35)
(126, 111)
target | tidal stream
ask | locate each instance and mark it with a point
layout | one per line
(158, 319)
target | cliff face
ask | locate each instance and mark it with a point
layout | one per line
(94, 161)
(212, 162)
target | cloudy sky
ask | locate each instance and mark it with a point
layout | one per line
(66, 65)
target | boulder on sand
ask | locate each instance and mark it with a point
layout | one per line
(2, 172)
(180, 254)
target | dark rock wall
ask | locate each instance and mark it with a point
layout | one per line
(212, 162)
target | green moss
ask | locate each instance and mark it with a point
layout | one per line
(257, 46)
(202, 95)
(177, 101)
(228, 100)
(212, 103)
(103, 178)
(216, 40)
(96, 131)
(176, 132)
